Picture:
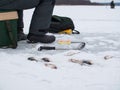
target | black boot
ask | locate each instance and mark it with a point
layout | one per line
(40, 38)
(21, 35)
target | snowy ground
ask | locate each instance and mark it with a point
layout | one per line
(99, 27)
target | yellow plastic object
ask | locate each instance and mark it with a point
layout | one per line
(67, 31)
(64, 42)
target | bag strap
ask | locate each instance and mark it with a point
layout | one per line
(9, 29)
(75, 32)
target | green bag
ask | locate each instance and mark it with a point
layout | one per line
(8, 29)
(60, 23)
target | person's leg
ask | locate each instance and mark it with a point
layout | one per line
(20, 20)
(42, 17)
(41, 22)
(20, 26)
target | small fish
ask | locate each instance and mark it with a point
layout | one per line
(32, 59)
(81, 62)
(45, 59)
(51, 66)
(108, 57)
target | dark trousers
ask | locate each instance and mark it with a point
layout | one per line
(20, 19)
(41, 17)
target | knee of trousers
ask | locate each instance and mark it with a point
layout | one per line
(53, 1)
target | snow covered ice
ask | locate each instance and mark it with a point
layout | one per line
(100, 29)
